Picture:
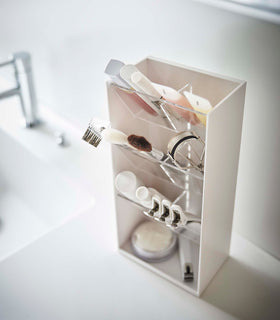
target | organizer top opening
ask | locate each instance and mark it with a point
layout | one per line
(207, 85)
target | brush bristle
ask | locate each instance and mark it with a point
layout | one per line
(139, 143)
(92, 135)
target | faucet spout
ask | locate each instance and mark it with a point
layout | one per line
(9, 93)
(21, 61)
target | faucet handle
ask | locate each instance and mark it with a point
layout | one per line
(21, 62)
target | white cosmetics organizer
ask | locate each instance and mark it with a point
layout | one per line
(209, 196)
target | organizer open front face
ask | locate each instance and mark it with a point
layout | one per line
(160, 194)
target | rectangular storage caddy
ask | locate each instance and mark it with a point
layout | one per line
(210, 195)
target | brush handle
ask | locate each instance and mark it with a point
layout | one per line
(157, 154)
(186, 258)
(114, 136)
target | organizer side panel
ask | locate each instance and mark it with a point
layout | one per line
(222, 155)
(125, 219)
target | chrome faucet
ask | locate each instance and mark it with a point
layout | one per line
(21, 61)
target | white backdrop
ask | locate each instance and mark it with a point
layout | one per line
(71, 42)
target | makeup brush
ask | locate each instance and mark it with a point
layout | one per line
(94, 134)
(133, 141)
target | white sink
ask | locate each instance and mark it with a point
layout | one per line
(43, 185)
(34, 197)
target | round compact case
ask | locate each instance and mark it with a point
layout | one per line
(153, 242)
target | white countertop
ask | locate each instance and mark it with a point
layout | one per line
(76, 272)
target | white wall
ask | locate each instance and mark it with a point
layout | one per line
(72, 41)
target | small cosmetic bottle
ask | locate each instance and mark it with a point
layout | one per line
(127, 183)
